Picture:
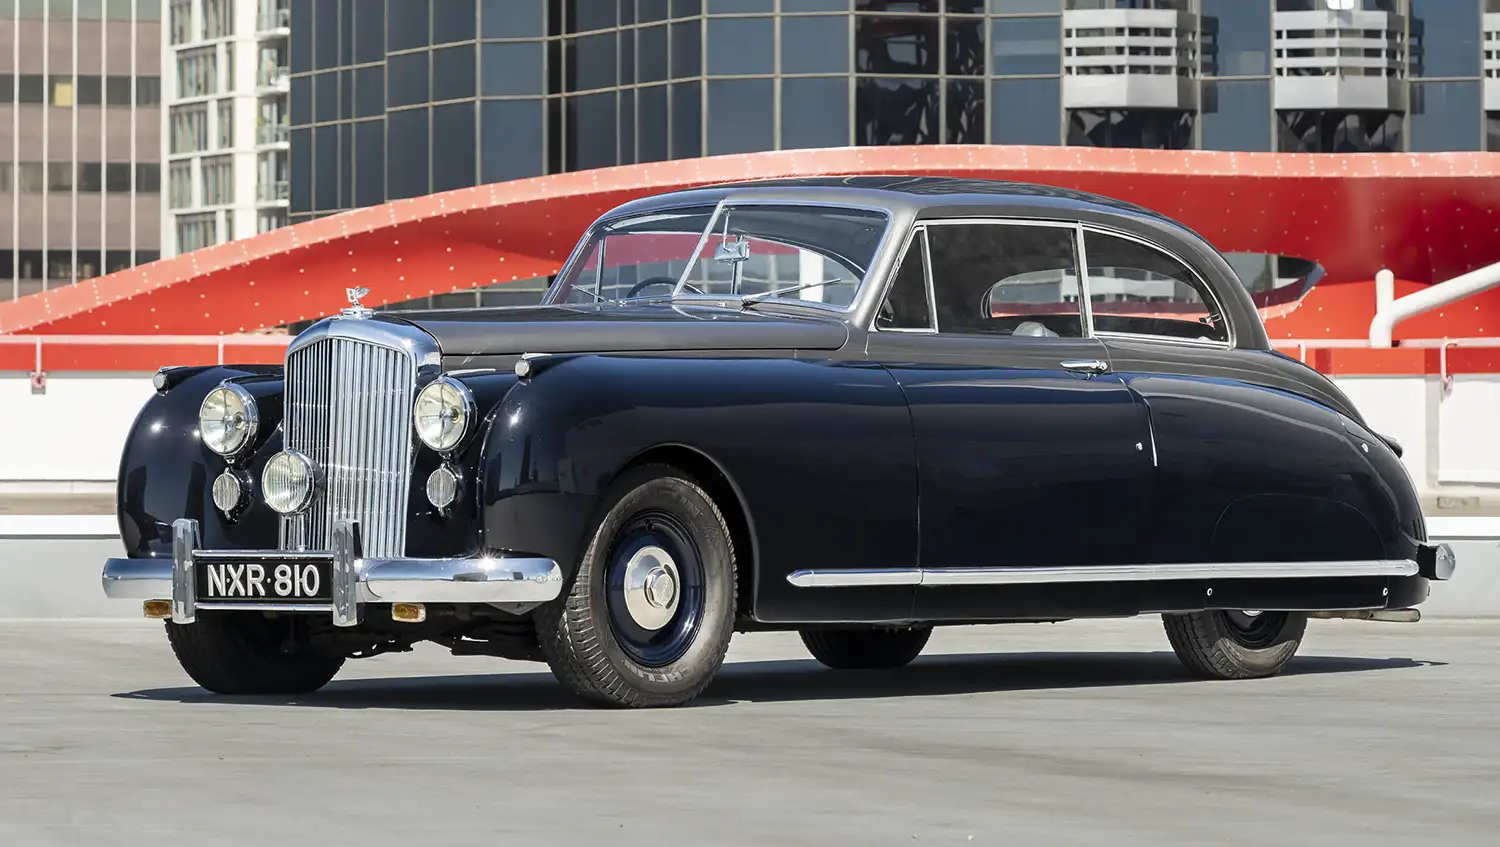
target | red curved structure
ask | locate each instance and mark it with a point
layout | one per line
(1427, 217)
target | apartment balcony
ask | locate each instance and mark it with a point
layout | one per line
(274, 22)
(274, 80)
(1492, 62)
(273, 193)
(1129, 59)
(273, 136)
(1331, 60)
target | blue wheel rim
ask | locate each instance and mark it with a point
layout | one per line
(663, 646)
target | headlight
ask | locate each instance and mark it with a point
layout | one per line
(227, 419)
(442, 413)
(288, 482)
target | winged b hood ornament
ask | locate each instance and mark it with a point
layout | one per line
(356, 310)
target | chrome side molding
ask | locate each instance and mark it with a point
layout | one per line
(1100, 573)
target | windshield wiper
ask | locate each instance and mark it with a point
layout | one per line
(747, 302)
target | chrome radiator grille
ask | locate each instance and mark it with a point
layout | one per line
(348, 409)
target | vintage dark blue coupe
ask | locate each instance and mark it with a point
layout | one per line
(855, 408)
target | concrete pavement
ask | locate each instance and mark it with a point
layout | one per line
(1078, 733)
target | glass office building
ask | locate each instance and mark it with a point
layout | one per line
(80, 140)
(398, 98)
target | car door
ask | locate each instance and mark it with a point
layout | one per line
(1032, 454)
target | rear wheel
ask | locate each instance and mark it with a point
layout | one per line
(1235, 644)
(866, 649)
(244, 653)
(651, 611)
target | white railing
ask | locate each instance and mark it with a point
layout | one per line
(41, 342)
(277, 133)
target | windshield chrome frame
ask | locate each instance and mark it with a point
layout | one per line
(871, 278)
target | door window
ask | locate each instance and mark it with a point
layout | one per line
(1138, 290)
(906, 306)
(1006, 279)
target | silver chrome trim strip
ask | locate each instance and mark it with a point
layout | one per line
(497, 579)
(1099, 573)
(853, 578)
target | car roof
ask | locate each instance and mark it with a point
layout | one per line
(902, 192)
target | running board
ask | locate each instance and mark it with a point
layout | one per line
(852, 578)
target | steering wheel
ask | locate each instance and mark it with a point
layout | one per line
(657, 280)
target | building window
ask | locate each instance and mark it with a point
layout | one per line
(117, 177)
(180, 18)
(180, 185)
(89, 90)
(189, 128)
(30, 177)
(218, 18)
(147, 178)
(226, 124)
(117, 91)
(61, 91)
(7, 179)
(218, 180)
(31, 88)
(197, 231)
(90, 177)
(59, 177)
(147, 90)
(197, 72)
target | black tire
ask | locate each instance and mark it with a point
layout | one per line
(1235, 645)
(589, 637)
(246, 654)
(866, 649)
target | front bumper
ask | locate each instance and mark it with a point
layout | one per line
(512, 582)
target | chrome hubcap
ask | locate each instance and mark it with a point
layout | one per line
(651, 588)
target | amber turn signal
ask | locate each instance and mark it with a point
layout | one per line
(408, 612)
(157, 609)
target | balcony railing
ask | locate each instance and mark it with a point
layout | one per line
(274, 192)
(272, 134)
(271, 20)
(278, 77)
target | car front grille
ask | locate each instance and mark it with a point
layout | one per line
(348, 409)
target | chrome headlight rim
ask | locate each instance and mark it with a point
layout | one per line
(466, 406)
(252, 419)
(311, 473)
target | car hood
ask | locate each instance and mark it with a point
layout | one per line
(615, 328)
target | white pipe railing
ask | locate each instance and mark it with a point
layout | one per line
(1432, 297)
(39, 342)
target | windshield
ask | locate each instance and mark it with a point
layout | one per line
(809, 254)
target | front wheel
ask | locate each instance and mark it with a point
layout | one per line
(1234, 644)
(243, 653)
(649, 616)
(866, 649)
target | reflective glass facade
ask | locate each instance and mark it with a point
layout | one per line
(398, 98)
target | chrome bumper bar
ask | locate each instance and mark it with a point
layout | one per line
(355, 580)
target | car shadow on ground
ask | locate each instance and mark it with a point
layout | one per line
(782, 681)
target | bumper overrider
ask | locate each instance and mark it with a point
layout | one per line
(253, 580)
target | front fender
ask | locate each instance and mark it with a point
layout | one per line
(821, 452)
(167, 473)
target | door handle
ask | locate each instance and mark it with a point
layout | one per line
(1091, 366)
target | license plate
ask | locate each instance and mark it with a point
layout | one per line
(229, 581)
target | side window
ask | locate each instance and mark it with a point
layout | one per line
(906, 305)
(1006, 279)
(1140, 290)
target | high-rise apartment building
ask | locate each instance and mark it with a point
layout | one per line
(80, 140)
(227, 135)
(398, 98)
